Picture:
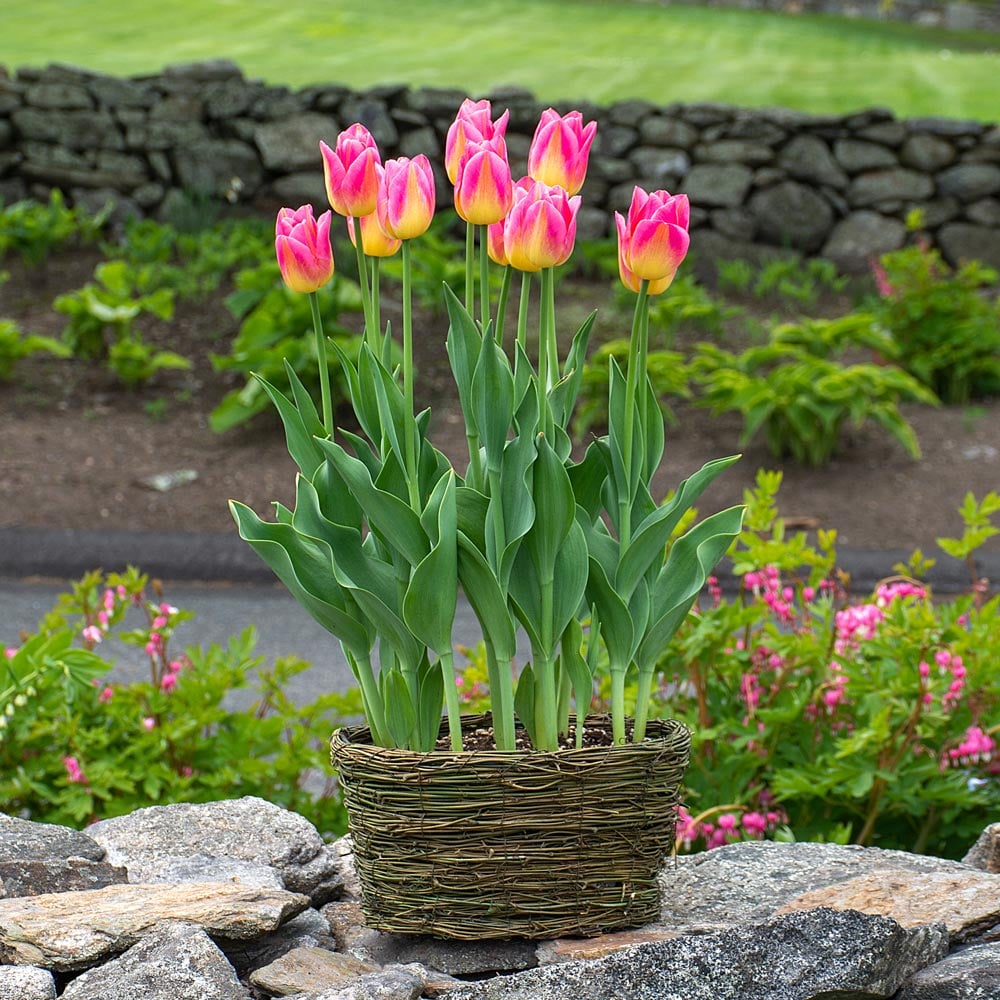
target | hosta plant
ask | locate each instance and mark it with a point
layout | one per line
(567, 549)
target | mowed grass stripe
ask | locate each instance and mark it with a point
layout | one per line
(560, 50)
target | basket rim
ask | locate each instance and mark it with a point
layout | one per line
(358, 740)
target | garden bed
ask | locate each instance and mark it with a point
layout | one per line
(78, 445)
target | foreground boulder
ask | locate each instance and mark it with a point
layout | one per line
(74, 930)
(152, 843)
(795, 957)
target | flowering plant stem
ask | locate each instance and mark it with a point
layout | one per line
(470, 255)
(502, 304)
(368, 300)
(410, 430)
(326, 401)
(637, 352)
(484, 281)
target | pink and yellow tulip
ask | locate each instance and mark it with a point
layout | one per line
(653, 240)
(540, 230)
(375, 241)
(473, 123)
(484, 190)
(406, 197)
(302, 246)
(349, 172)
(560, 150)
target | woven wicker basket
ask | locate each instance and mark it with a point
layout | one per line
(525, 844)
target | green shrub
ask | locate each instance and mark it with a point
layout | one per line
(76, 745)
(799, 397)
(15, 345)
(795, 279)
(100, 324)
(33, 230)
(945, 329)
(275, 331)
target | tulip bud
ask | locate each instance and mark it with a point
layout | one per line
(654, 239)
(484, 190)
(473, 123)
(302, 245)
(494, 244)
(540, 229)
(560, 150)
(406, 197)
(349, 172)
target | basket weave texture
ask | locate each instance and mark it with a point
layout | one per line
(531, 844)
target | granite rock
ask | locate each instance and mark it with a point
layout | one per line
(971, 973)
(820, 953)
(861, 237)
(750, 881)
(966, 903)
(24, 840)
(247, 829)
(33, 878)
(176, 962)
(25, 982)
(74, 930)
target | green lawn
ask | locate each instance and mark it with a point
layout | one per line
(573, 49)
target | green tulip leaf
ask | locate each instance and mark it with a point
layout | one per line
(651, 535)
(493, 398)
(430, 701)
(488, 602)
(400, 717)
(692, 558)
(463, 347)
(300, 431)
(524, 701)
(303, 565)
(430, 600)
(564, 393)
(387, 514)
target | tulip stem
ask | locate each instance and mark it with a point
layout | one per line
(522, 311)
(371, 330)
(636, 370)
(452, 706)
(376, 298)
(549, 305)
(470, 250)
(484, 281)
(502, 303)
(411, 422)
(324, 369)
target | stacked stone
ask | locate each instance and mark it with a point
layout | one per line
(836, 186)
(242, 900)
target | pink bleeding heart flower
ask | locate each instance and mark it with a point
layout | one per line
(349, 172)
(484, 189)
(406, 197)
(473, 123)
(560, 149)
(302, 245)
(654, 239)
(540, 229)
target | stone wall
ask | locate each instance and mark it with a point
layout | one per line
(837, 186)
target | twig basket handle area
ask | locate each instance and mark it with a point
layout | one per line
(490, 844)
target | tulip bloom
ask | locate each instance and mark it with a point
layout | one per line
(473, 123)
(560, 150)
(376, 243)
(484, 190)
(302, 245)
(406, 197)
(540, 229)
(654, 239)
(494, 244)
(349, 172)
